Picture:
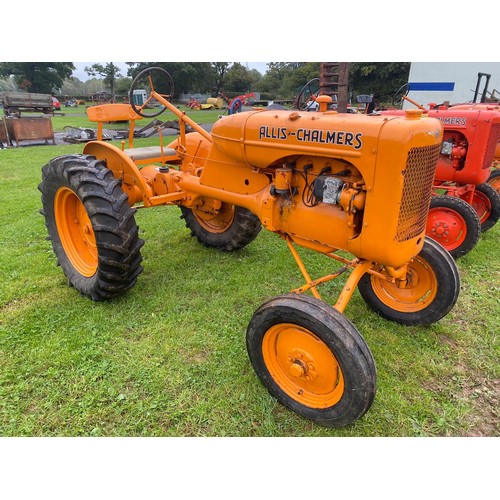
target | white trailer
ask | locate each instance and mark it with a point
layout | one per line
(438, 82)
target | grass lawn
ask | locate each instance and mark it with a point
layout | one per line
(169, 359)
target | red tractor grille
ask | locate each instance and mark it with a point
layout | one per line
(492, 144)
(417, 189)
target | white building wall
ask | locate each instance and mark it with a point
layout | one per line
(454, 82)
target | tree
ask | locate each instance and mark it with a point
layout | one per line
(38, 77)
(220, 71)
(238, 79)
(382, 79)
(110, 72)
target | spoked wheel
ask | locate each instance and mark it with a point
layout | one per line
(430, 292)
(91, 226)
(494, 179)
(399, 97)
(236, 107)
(486, 203)
(229, 228)
(454, 224)
(151, 78)
(308, 94)
(312, 359)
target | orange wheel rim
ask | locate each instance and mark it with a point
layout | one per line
(420, 289)
(302, 365)
(75, 231)
(216, 222)
(495, 183)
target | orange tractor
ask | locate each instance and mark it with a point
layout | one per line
(324, 181)
(464, 204)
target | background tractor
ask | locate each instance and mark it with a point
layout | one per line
(464, 204)
(354, 188)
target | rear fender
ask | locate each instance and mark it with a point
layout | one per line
(133, 183)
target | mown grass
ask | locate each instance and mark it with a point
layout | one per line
(168, 358)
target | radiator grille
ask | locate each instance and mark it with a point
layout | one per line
(492, 144)
(417, 189)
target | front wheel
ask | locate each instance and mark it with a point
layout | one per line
(454, 224)
(486, 203)
(494, 179)
(430, 291)
(91, 226)
(312, 359)
(228, 228)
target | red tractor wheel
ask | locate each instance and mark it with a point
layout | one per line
(454, 224)
(486, 203)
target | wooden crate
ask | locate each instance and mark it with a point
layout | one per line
(30, 129)
(4, 135)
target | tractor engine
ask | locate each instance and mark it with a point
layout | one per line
(330, 181)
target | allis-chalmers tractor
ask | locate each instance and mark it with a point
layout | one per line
(323, 181)
(464, 203)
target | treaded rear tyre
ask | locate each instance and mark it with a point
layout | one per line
(231, 229)
(91, 226)
(312, 359)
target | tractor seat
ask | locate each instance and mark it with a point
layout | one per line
(148, 153)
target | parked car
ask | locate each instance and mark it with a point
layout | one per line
(56, 104)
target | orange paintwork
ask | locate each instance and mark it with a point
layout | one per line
(302, 365)
(379, 169)
(76, 232)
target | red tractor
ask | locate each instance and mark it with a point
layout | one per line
(464, 204)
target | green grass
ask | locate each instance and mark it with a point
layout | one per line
(169, 359)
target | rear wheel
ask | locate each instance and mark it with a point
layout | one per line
(431, 290)
(91, 226)
(312, 359)
(486, 203)
(229, 228)
(454, 224)
(494, 179)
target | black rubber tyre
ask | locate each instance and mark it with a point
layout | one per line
(454, 224)
(312, 359)
(233, 228)
(494, 179)
(486, 203)
(432, 290)
(91, 226)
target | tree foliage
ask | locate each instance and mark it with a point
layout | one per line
(382, 79)
(38, 77)
(110, 72)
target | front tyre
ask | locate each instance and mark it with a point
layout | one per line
(486, 203)
(229, 228)
(312, 359)
(454, 224)
(91, 226)
(430, 292)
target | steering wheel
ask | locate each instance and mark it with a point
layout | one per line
(399, 97)
(308, 93)
(145, 79)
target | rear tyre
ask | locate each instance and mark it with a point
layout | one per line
(431, 291)
(486, 203)
(91, 226)
(312, 359)
(231, 228)
(454, 224)
(494, 179)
